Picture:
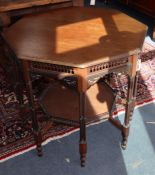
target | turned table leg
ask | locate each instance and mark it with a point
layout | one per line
(36, 130)
(129, 109)
(131, 97)
(83, 143)
(14, 73)
(134, 94)
(82, 88)
(19, 85)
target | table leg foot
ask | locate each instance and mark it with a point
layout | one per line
(124, 144)
(39, 151)
(83, 150)
(38, 140)
(83, 143)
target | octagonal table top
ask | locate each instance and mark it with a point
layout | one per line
(76, 36)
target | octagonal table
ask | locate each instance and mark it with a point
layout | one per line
(87, 43)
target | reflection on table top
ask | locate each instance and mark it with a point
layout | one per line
(76, 36)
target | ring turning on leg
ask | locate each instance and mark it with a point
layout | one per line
(83, 143)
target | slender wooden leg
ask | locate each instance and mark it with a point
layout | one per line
(82, 88)
(134, 94)
(15, 75)
(130, 104)
(18, 93)
(36, 130)
(19, 85)
(126, 125)
(83, 143)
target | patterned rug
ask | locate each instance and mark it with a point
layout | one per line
(15, 129)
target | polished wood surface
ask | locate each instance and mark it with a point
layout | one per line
(97, 104)
(7, 5)
(10, 8)
(55, 37)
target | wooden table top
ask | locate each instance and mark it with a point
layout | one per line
(7, 5)
(76, 36)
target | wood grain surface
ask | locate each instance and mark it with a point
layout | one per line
(7, 5)
(76, 36)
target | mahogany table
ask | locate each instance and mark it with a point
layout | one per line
(87, 43)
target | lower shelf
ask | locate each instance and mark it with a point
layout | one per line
(62, 102)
